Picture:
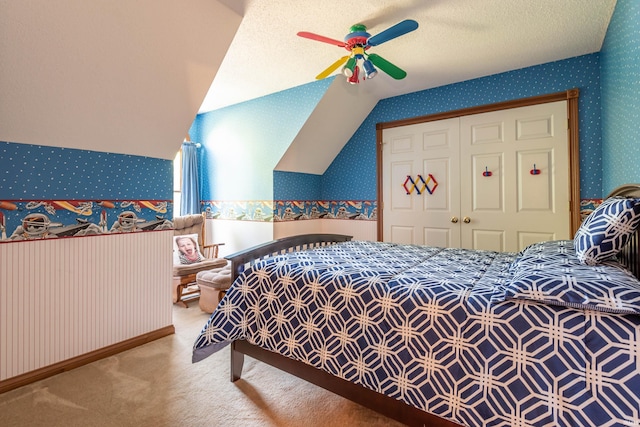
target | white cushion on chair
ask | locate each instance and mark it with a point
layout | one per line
(219, 278)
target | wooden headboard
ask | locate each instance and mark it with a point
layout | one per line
(630, 255)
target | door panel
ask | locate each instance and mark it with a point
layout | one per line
(486, 133)
(399, 172)
(403, 234)
(528, 238)
(535, 185)
(440, 237)
(490, 240)
(487, 183)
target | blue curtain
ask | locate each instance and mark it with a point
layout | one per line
(190, 198)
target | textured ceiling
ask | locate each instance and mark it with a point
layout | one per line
(457, 40)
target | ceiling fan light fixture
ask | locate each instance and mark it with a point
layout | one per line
(354, 78)
(369, 70)
(357, 42)
(348, 68)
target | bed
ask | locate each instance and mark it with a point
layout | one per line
(432, 336)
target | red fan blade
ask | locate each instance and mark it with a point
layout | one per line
(320, 38)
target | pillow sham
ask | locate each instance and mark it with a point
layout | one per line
(607, 229)
(551, 273)
(542, 254)
(186, 249)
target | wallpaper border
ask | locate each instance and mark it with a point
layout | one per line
(290, 210)
(300, 210)
(22, 220)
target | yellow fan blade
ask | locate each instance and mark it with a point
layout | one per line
(332, 68)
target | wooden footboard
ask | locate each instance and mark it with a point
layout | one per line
(390, 407)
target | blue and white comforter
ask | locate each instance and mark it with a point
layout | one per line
(439, 329)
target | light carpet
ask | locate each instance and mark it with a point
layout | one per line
(157, 385)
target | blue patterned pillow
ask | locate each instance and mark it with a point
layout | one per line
(550, 273)
(607, 230)
(541, 254)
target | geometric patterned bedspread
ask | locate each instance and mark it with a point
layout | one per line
(426, 325)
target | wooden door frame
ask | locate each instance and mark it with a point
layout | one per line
(571, 96)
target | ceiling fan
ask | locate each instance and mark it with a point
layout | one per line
(357, 42)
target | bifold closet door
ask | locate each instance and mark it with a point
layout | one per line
(494, 181)
(421, 183)
(515, 175)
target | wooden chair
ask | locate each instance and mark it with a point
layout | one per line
(184, 275)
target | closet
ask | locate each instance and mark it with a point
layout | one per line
(496, 180)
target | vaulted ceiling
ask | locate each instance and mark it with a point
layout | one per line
(130, 76)
(114, 76)
(456, 40)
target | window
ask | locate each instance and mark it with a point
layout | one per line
(177, 183)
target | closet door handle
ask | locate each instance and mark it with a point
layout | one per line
(466, 220)
(454, 219)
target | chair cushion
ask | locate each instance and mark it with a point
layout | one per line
(187, 224)
(180, 270)
(219, 278)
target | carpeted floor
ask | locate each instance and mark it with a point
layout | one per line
(157, 385)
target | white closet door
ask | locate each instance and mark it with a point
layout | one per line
(429, 151)
(502, 180)
(515, 175)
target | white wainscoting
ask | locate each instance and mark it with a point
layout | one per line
(360, 230)
(292, 228)
(63, 298)
(237, 235)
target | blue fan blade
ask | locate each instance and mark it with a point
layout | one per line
(391, 33)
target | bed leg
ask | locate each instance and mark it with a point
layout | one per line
(237, 361)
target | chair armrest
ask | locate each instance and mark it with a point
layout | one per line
(211, 251)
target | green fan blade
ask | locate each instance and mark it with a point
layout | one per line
(387, 67)
(332, 68)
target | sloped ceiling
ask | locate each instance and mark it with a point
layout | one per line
(457, 40)
(334, 120)
(115, 76)
(130, 76)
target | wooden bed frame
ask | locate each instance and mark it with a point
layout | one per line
(390, 407)
(630, 255)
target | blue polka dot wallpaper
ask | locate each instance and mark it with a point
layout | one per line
(353, 173)
(296, 186)
(242, 144)
(51, 192)
(620, 70)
